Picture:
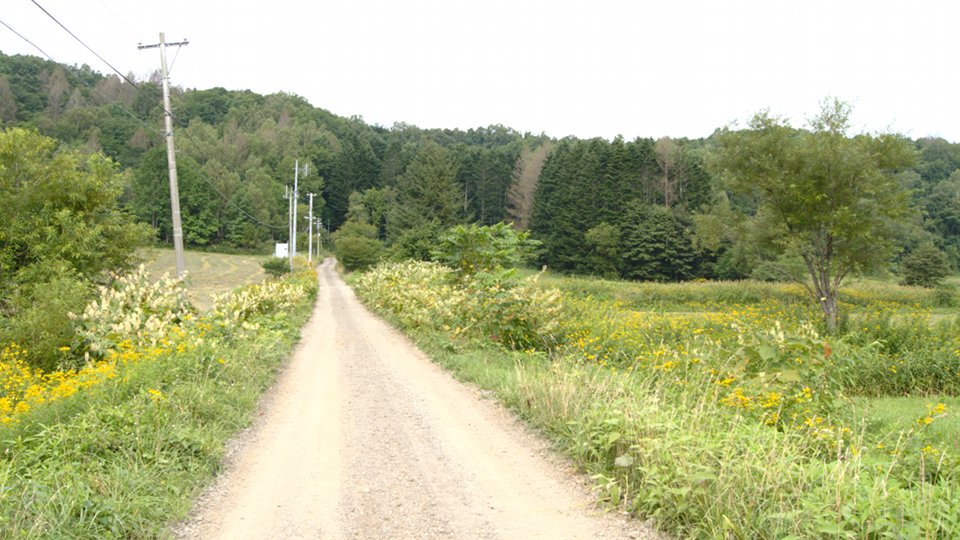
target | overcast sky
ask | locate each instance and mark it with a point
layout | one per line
(583, 68)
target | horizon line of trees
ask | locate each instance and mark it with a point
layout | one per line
(642, 209)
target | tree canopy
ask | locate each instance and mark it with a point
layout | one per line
(829, 198)
(62, 228)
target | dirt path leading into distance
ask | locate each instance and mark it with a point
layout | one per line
(363, 437)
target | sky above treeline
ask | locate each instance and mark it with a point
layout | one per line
(585, 68)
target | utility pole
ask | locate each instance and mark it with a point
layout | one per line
(287, 194)
(296, 174)
(171, 154)
(310, 231)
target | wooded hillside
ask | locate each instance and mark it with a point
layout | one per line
(639, 209)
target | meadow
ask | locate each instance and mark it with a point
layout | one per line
(208, 274)
(717, 409)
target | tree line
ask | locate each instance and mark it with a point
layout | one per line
(650, 209)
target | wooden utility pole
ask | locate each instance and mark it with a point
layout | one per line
(171, 153)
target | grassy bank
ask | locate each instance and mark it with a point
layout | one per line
(721, 416)
(125, 456)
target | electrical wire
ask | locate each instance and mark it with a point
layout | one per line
(123, 24)
(174, 61)
(184, 135)
(102, 59)
(50, 58)
(21, 36)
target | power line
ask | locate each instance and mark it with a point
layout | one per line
(102, 59)
(21, 36)
(148, 127)
(123, 24)
(91, 88)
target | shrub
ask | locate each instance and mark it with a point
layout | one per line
(425, 295)
(358, 253)
(119, 448)
(238, 306)
(276, 266)
(133, 309)
(474, 248)
(945, 295)
(41, 322)
(925, 266)
(357, 246)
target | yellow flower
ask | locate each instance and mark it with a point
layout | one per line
(155, 394)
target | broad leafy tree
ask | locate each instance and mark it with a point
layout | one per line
(925, 266)
(61, 230)
(831, 198)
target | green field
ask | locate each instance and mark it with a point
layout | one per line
(208, 274)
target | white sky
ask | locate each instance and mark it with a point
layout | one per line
(563, 67)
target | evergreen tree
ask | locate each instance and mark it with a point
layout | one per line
(656, 244)
(427, 190)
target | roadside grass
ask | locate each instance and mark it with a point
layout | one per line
(125, 458)
(208, 274)
(888, 416)
(715, 413)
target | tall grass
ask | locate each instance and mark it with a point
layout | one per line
(730, 421)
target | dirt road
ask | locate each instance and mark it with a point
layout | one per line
(363, 437)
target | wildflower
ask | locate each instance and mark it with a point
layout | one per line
(155, 394)
(771, 399)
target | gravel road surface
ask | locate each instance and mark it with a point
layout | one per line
(363, 437)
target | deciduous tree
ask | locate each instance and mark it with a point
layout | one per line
(832, 197)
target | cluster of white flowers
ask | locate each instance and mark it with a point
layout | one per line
(234, 308)
(425, 295)
(134, 309)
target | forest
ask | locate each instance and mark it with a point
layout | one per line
(646, 209)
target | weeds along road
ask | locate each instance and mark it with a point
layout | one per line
(363, 437)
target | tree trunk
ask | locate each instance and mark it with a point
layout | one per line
(830, 311)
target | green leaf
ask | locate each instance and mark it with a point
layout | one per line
(767, 352)
(623, 461)
(832, 529)
(790, 375)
